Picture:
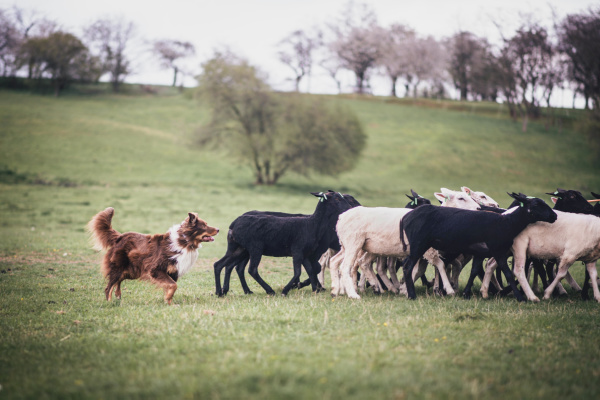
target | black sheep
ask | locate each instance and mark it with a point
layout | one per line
(254, 235)
(456, 231)
(329, 241)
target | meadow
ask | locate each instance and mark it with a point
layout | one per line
(64, 159)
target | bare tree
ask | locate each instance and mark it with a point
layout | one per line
(579, 36)
(332, 66)
(108, 39)
(527, 60)
(297, 51)
(357, 42)
(395, 53)
(169, 51)
(467, 53)
(427, 62)
(10, 40)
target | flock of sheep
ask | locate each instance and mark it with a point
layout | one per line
(467, 226)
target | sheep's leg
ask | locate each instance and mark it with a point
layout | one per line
(476, 267)
(348, 264)
(591, 270)
(559, 290)
(362, 283)
(407, 269)
(489, 277)
(491, 263)
(334, 270)
(519, 264)
(391, 267)
(586, 286)
(501, 260)
(253, 271)
(366, 266)
(240, 267)
(563, 267)
(324, 261)
(297, 261)
(381, 270)
(441, 267)
(572, 282)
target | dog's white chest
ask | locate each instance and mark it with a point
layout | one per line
(185, 261)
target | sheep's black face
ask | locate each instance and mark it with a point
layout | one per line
(537, 210)
(571, 201)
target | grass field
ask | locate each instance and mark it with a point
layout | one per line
(62, 160)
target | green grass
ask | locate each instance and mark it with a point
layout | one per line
(62, 160)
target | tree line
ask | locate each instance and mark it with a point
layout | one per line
(40, 49)
(523, 71)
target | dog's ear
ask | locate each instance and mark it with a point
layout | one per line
(191, 217)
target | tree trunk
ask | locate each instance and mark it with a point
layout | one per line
(525, 120)
(394, 80)
(175, 70)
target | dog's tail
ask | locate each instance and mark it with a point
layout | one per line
(103, 235)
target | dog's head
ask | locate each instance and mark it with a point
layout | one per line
(194, 230)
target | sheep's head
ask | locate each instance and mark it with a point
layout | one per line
(451, 198)
(333, 199)
(480, 197)
(536, 209)
(416, 200)
(570, 201)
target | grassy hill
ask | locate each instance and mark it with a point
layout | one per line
(64, 159)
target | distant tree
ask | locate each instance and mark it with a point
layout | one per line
(274, 133)
(297, 51)
(357, 42)
(486, 78)
(526, 61)
(16, 27)
(427, 62)
(108, 40)
(332, 66)
(57, 56)
(169, 51)
(467, 55)
(10, 41)
(579, 39)
(396, 53)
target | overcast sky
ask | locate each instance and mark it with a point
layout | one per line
(254, 27)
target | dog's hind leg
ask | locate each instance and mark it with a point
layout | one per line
(163, 280)
(114, 279)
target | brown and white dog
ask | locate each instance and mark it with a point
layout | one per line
(160, 259)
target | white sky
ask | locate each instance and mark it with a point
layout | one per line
(254, 27)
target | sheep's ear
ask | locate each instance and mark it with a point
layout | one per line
(554, 199)
(414, 193)
(440, 197)
(466, 190)
(410, 197)
(597, 196)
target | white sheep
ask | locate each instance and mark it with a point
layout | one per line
(573, 237)
(365, 233)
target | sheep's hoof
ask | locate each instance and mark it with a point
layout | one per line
(249, 292)
(438, 292)
(534, 299)
(585, 296)
(467, 295)
(271, 293)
